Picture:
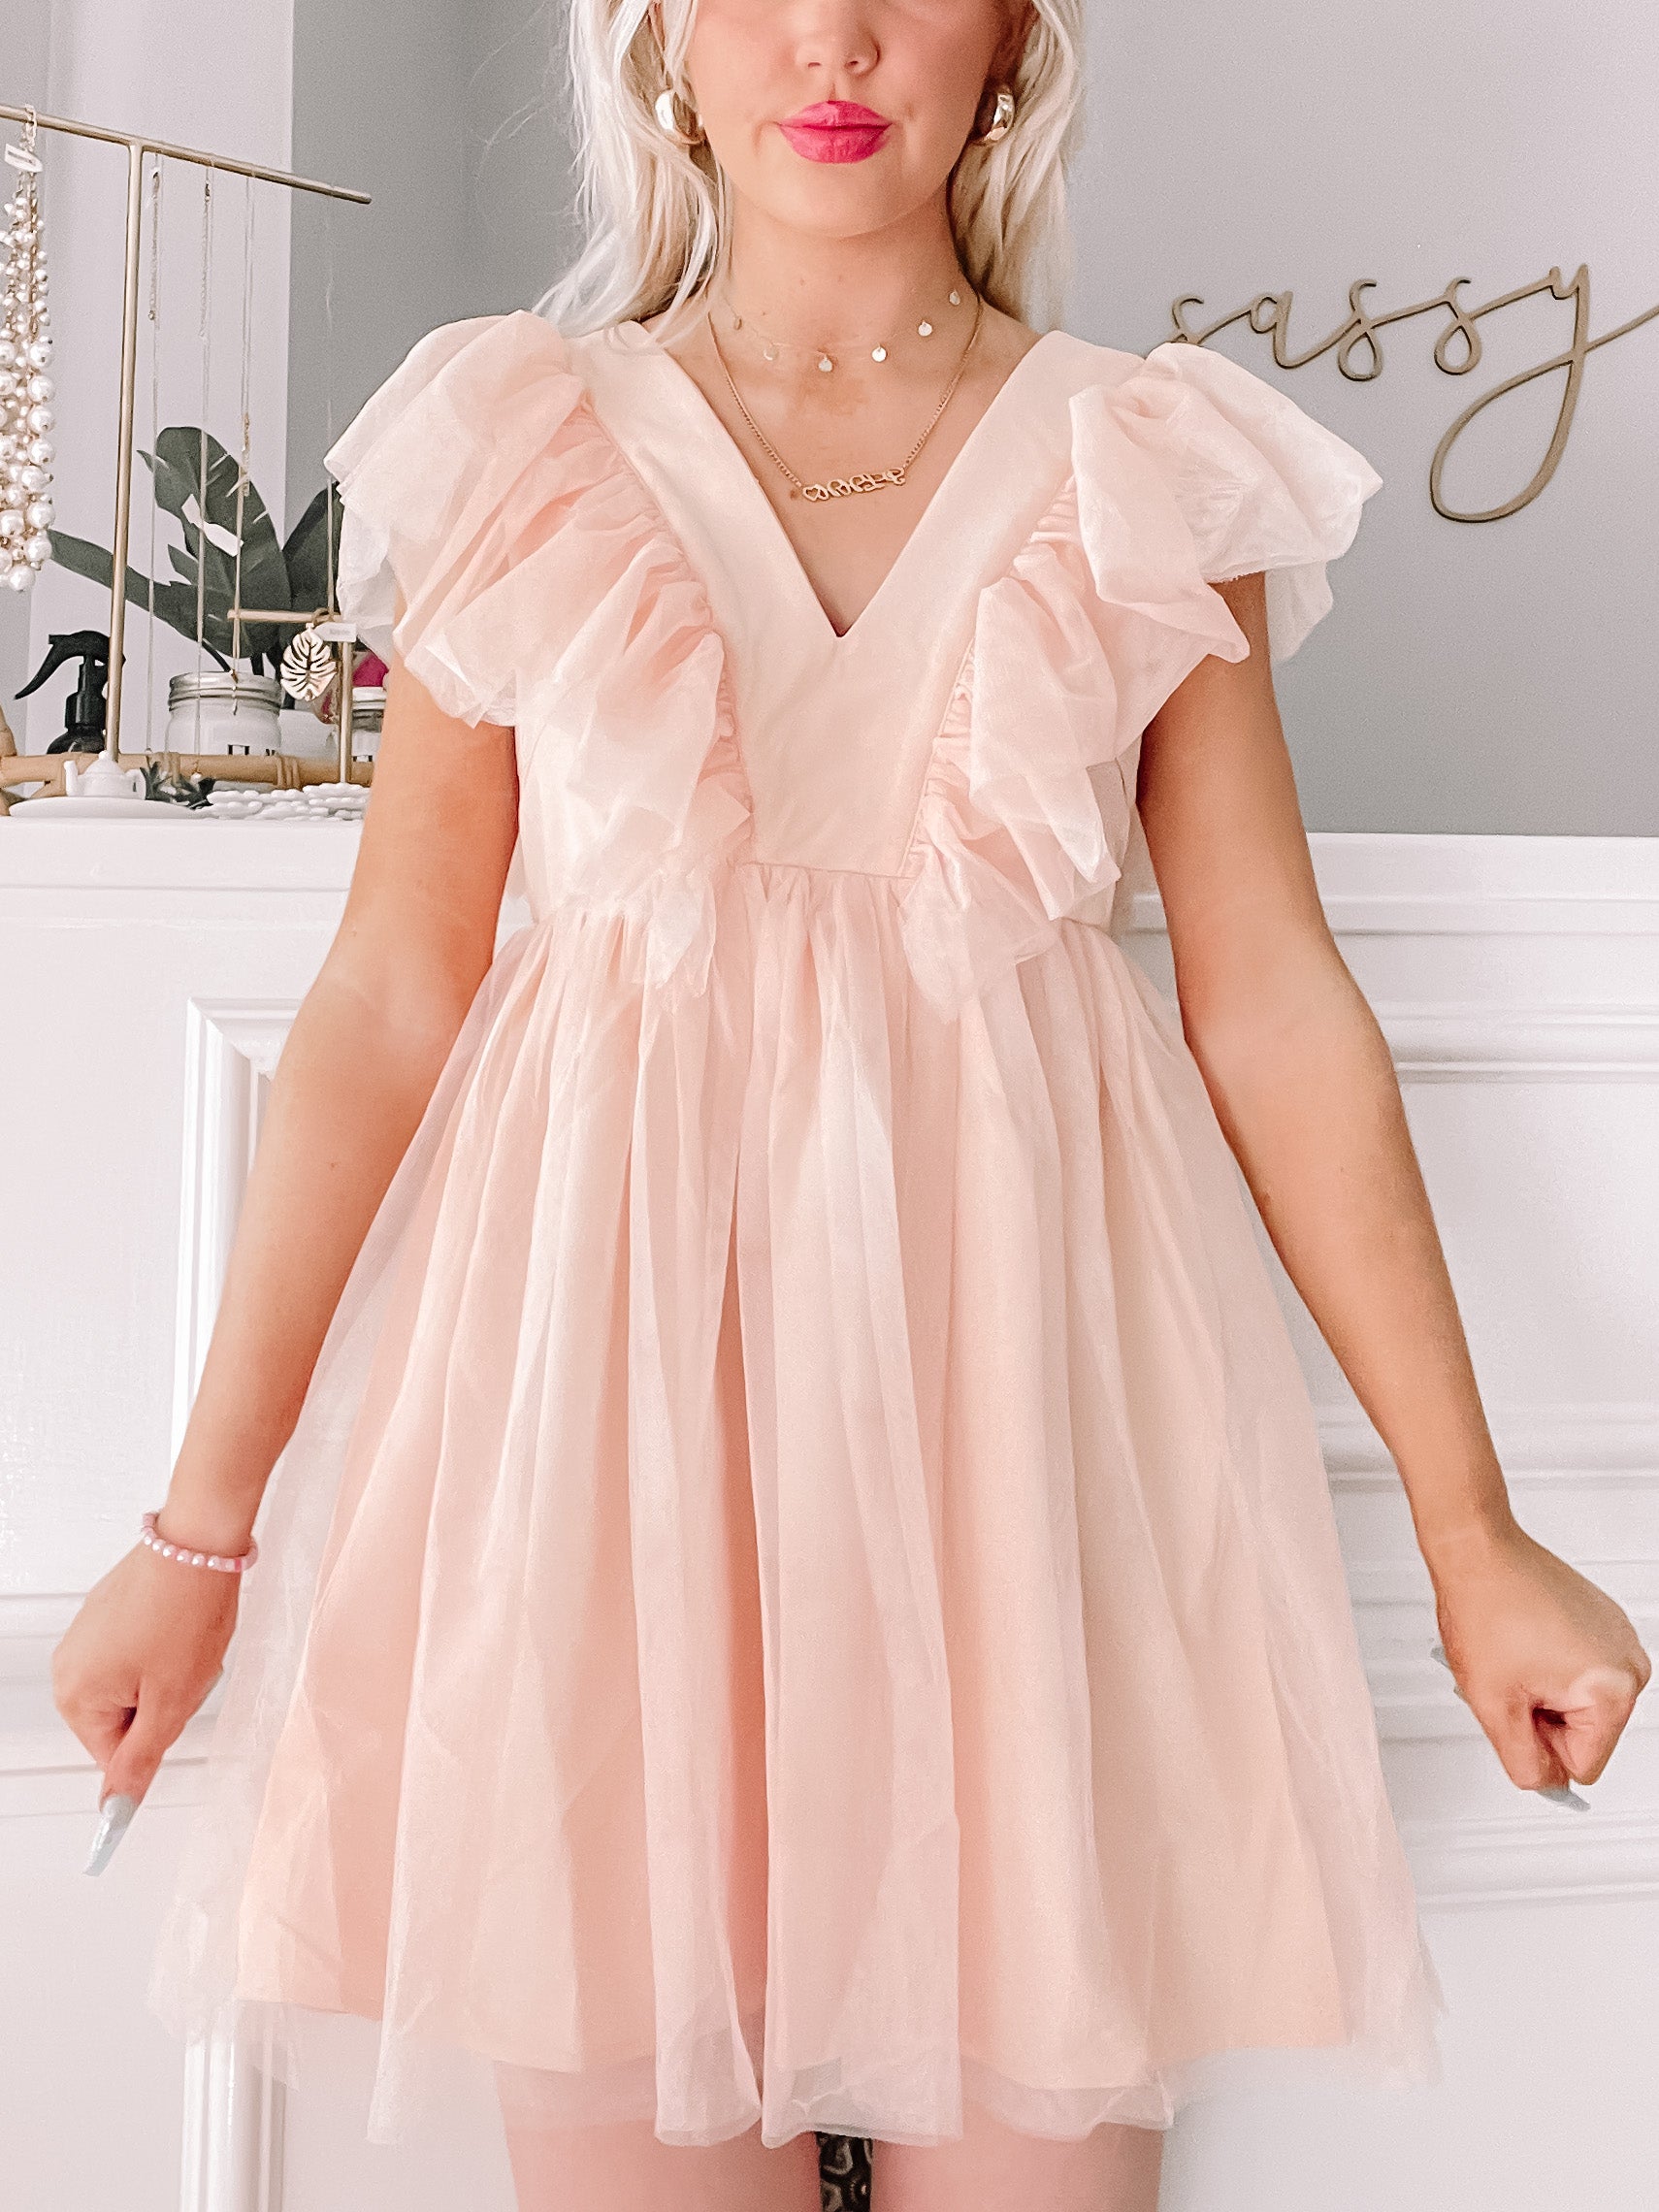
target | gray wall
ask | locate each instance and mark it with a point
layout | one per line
(1472, 677)
(450, 113)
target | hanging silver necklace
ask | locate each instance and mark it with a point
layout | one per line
(825, 355)
(864, 479)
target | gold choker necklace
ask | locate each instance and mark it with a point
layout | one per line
(771, 348)
(867, 479)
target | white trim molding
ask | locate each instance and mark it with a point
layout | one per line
(1543, 1855)
(1593, 1043)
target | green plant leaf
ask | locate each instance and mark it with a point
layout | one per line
(175, 485)
(176, 469)
(305, 551)
(206, 560)
(175, 603)
(177, 465)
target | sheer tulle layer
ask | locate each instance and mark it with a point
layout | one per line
(726, 1374)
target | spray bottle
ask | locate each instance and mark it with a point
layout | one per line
(85, 708)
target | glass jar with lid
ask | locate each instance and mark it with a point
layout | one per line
(223, 710)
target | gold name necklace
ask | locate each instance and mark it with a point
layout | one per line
(865, 479)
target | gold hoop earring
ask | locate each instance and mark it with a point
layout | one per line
(668, 117)
(1001, 120)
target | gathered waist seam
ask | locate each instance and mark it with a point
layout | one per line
(815, 868)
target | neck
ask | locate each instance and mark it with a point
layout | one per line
(810, 290)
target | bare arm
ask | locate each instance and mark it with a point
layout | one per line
(366, 1046)
(1304, 1089)
(364, 1051)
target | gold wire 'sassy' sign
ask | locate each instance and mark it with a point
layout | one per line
(1457, 350)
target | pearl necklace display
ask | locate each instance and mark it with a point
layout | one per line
(26, 418)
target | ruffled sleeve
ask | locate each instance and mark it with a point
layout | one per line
(541, 587)
(446, 484)
(1259, 483)
(1185, 470)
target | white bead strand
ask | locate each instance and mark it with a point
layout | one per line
(26, 391)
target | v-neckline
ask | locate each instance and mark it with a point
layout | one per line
(930, 524)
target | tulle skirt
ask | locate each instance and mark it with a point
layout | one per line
(803, 1588)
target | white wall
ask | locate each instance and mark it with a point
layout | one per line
(376, 107)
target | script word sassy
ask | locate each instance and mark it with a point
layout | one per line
(1457, 350)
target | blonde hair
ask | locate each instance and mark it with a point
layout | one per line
(656, 216)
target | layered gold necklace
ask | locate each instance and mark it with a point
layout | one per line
(863, 479)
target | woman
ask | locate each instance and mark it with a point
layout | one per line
(802, 1595)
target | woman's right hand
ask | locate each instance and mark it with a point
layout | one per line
(355, 1076)
(137, 1660)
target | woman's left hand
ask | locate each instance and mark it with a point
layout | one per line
(1548, 1663)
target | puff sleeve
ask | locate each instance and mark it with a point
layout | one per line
(453, 477)
(1185, 469)
(1259, 483)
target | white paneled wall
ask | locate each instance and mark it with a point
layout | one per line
(151, 973)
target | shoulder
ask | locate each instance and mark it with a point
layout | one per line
(1209, 405)
(1174, 369)
(1181, 371)
(481, 494)
(1085, 363)
(468, 379)
(1185, 460)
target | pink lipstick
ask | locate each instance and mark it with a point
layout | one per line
(835, 130)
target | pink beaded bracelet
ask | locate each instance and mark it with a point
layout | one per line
(229, 1563)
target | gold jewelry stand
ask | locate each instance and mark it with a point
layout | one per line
(47, 768)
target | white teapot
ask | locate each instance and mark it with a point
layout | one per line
(102, 779)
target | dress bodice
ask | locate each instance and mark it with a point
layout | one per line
(837, 730)
(582, 552)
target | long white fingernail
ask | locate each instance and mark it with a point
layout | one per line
(1563, 1793)
(116, 1817)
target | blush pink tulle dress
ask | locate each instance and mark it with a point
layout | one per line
(804, 1588)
